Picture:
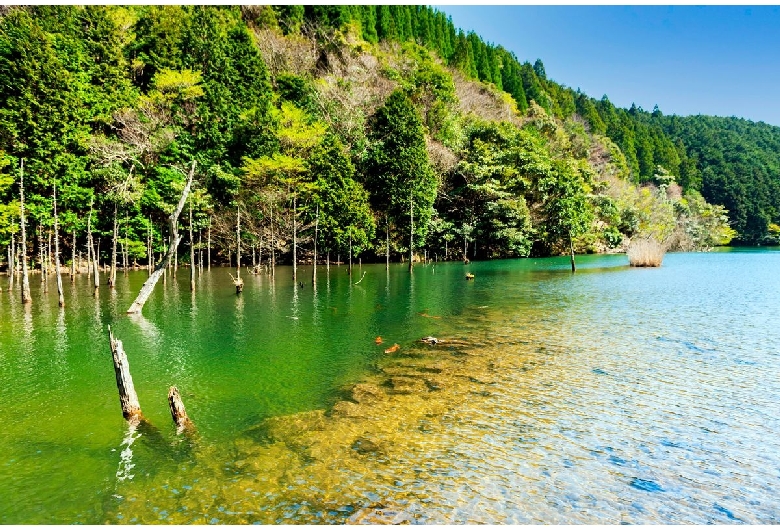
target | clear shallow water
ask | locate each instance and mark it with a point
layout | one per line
(613, 395)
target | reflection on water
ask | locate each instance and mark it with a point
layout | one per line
(614, 395)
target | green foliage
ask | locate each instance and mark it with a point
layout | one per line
(396, 171)
(115, 102)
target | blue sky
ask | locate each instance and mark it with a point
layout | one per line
(716, 60)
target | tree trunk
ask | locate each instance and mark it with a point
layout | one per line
(89, 240)
(112, 270)
(57, 251)
(128, 399)
(125, 250)
(200, 251)
(316, 233)
(26, 298)
(387, 243)
(148, 286)
(192, 254)
(178, 413)
(208, 256)
(96, 265)
(295, 240)
(73, 258)
(350, 253)
(273, 246)
(411, 233)
(149, 249)
(238, 244)
(571, 248)
(11, 263)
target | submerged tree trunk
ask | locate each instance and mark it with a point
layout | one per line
(178, 412)
(57, 251)
(11, 263)
(238, 244)
(295, 240)
(128, 399)
(26, 298)
(112, 270)
(125, 250)
(571, 248)
(314, 265)
(89, 240)
(73, 258)
(411, 233)
(148, 286)
(96, 265)
(238, 283)
(192, 254)
(273, 245)
(149, 250)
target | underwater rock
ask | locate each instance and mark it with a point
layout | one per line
(365, 446)
(381, 513)
(347, 409)
(366, 393)
(406, 385)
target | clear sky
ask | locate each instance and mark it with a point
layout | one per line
(716, 60)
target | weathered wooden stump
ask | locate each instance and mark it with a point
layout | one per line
(128, 399)
(178, 413)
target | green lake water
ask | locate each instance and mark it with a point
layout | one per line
(611, 395)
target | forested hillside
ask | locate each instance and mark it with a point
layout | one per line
(372, 131)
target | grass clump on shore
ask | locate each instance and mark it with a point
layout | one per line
(645, 253)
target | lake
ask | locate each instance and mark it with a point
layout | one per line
(613, 395)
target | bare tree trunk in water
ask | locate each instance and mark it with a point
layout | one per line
(178, 412)
(411, 233)
(57, 251)
(387, 243)
(26, 298)
(571, 248)
(295, 241)
(96, 265)
(273, 245)
(89, 240)
(314, 265)
(11, 263)
(112, 270)
(125, 250)
(192, 254)
(208, 257)
(128, 399)
(350, 253)
(238, 243)
(73, 258)
(148, 286)
(149, 251)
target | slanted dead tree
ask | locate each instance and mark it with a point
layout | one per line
(175, 238)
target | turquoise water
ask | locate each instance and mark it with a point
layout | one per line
(612, 395)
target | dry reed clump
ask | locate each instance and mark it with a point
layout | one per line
(645, 253)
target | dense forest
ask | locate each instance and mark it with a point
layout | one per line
(380, 132)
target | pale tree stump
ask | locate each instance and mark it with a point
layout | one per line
(178, 413)
(128, 399)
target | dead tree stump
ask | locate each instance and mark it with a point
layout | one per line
(128, 399)
(178, 413)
